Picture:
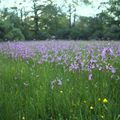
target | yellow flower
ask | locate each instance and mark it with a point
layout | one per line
(102, 116)
(99, 99)
(105, 100)
(61, 91)
(84, 60)
(23, 118)
(91, 108)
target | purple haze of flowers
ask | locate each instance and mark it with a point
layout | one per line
(90, 76)
(113, 70)
(118, 50)
(56, 83)
(74, 67)
(18, 49)
(69, 54)
(107, 51)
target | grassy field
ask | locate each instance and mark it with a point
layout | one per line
(60, 81)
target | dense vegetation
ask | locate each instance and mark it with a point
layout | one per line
(49, 20)
(56, 79)
(59, 81)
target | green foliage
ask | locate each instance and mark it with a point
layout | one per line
(112, 32)
(5, 27)
(10, 27)
(14, 34)
(48, 19)
(75, 33)
(26, 92)
(43, 35)
(114, 8)
(63, 34)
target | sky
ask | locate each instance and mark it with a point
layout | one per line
(83, 10)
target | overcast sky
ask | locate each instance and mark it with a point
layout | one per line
(83, 10)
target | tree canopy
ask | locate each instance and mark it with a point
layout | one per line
(48, 19)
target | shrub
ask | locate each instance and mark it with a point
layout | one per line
(14, 34)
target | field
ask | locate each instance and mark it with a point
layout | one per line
(60, 80)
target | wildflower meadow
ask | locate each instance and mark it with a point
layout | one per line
(60, 80)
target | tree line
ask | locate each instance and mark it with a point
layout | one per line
(50, 21)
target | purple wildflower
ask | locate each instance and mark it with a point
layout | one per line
(90, 76)
(55, 83)
(107, 51)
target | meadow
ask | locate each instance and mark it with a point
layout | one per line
(60, 80)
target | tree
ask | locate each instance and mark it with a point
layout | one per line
(112, 17)
(49, 19)
(35, 10)
(114, 10)
(10, 26)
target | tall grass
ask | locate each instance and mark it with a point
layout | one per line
(26, 92)
(59, 81)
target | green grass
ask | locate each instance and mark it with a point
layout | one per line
(25, 92)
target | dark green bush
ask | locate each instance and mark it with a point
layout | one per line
(14, 34)
(63, 34)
